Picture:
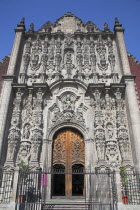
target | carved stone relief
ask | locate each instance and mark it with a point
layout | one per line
(68, 56)
(101, 50)
(24, 152)
(68, 148)
(14, 131)
(110, 126)
(36, 55)
(112, 153)
(68, 110)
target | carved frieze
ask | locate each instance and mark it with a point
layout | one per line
(68, 56)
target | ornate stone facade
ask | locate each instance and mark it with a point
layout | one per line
(70, 75)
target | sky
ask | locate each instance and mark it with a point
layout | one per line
(97, 11)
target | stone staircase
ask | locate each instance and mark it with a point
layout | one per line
(75, 204)
(63, 204)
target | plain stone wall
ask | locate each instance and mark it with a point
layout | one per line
(128, 207)
(8, 206)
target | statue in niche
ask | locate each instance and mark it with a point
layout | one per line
(107, 99)
(99, 134)
(111, 59)
(100, 145)
(68, 57)
(124, 150)
(97, 94)
(79, 59)
(35, 61)
(118, 94)
(110, 131)
(58, 116)
(102, 54)
(11, 150)
(93, 58)
(26, 59)
(101, 49)
(44, 59)
(24, 152)
(51, 53)
(68, 63)
(26, 131)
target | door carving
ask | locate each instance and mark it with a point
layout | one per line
(68, 151)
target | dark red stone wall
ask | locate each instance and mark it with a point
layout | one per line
(135, 70)
(3, 69)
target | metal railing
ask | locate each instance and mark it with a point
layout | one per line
(32, 188)
(130, 187)
(6, 185)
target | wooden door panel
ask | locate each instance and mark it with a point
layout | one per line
(68, 149)
(59, 149)
(77, 154)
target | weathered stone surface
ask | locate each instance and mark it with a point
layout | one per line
(70, 74)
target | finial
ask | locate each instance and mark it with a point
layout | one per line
(31, 29)
(69, 12)
(106, 29)
(116, 21)
(21, 26)
(118, 26)
(22, 21)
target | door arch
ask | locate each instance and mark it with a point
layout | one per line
(69, 152)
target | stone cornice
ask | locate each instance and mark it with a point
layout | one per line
(8, 77)
(34, 86)
(19, 85)
(35, 33)
(117, 85)
(92, 86)
(40, 85)
(127, 78)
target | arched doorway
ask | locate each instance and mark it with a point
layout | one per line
(69, 160)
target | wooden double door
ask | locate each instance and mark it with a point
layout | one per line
(68, 163)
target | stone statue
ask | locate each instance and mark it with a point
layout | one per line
(26, 132)
(110, 131)
(24, 151)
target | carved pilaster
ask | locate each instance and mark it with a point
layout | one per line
(37, 123)
(14, 131)
(26, 60)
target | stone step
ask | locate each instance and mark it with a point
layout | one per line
(65, 204)
(71, 205)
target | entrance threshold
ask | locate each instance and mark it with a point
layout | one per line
(71, 198)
